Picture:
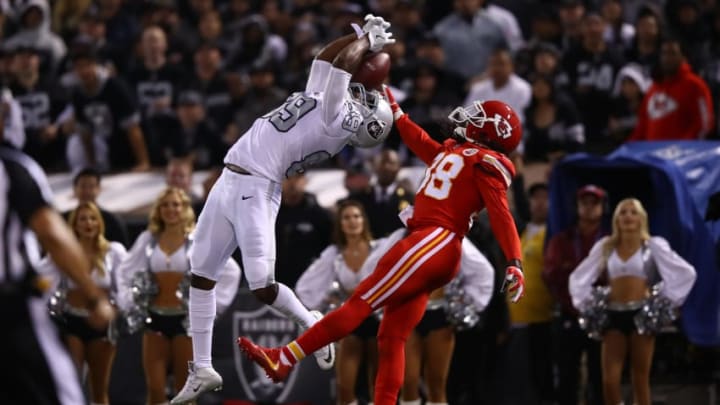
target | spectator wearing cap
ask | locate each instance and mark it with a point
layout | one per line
(547, 62)
(154, 81)
(186, 133)
(645, 48)
(502, 84)
(261, 96)
(41, 101)
(630, 87)
(384, 199)
(591, 67)
(468, 35)
(209, 80)
(107, 123)
(302, 230)
(34, 31)
(564, 251)
(677, 106)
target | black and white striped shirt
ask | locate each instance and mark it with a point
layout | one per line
(24, 190)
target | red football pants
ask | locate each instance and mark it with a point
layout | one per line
(426, 259)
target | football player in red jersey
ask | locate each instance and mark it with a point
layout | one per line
(466, 174)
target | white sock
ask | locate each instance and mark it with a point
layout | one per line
(436, 403)
(289, 305)
(202, 316)
(415, 402)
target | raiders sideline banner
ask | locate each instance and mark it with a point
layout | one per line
(243, 380)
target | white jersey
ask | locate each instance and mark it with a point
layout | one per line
(310, 127)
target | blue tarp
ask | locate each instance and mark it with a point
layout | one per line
(674, 180)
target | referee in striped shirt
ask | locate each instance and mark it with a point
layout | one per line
(35, 367)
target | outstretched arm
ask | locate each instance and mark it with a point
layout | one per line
(320, 69)
(414, 137)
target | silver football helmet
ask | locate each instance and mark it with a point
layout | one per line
(377, 117)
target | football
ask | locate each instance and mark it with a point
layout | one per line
(372, 71)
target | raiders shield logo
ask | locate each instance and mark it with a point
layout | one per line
(375, 129)
(268, 328)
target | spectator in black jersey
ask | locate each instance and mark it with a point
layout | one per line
(187, 133)
(591, 68)
(154, 81)
(257, 46)
(42, 102)
(86, 189)
(571, 13)
(92, 30)
(618, 32)
(108, 134)
(209, 80)
(302, 230)
(552, 123)
(645, 48)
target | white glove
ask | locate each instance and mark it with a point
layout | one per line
(379, 38)
(372, 21)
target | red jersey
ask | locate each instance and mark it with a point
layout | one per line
(461, 179)
(676, 108)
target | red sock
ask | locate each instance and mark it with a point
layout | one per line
(333, 327)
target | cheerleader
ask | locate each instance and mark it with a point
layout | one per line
(162, 250)
(631, 259)
(343, 265)
(88, 345)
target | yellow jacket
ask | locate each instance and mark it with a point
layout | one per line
(537, 303)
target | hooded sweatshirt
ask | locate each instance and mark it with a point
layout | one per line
(675, 108)
(40, 37)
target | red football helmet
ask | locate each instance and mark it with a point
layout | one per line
(492, 123)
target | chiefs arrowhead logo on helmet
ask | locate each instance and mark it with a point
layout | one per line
(503, 135)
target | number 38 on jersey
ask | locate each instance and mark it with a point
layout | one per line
(440, 175)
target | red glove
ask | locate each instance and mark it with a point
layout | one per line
(514, 282)
(397, 112)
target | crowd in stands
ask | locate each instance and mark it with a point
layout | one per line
(129, 84)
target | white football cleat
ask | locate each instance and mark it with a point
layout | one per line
(325, 356)
(198, 381)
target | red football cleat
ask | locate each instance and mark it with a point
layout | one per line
(267, 358)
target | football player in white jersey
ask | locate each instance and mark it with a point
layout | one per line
(242, 206)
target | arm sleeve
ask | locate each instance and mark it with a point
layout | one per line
(227, 285)
(494, 193)
(135, 261)
(29, 190)
(312, 286)
(678, 276)
(585, 275)
(419, 142)
(702, 108)
(335, 94)
(318, 78)
(478, 275)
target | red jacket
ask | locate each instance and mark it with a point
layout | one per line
(676, 108)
